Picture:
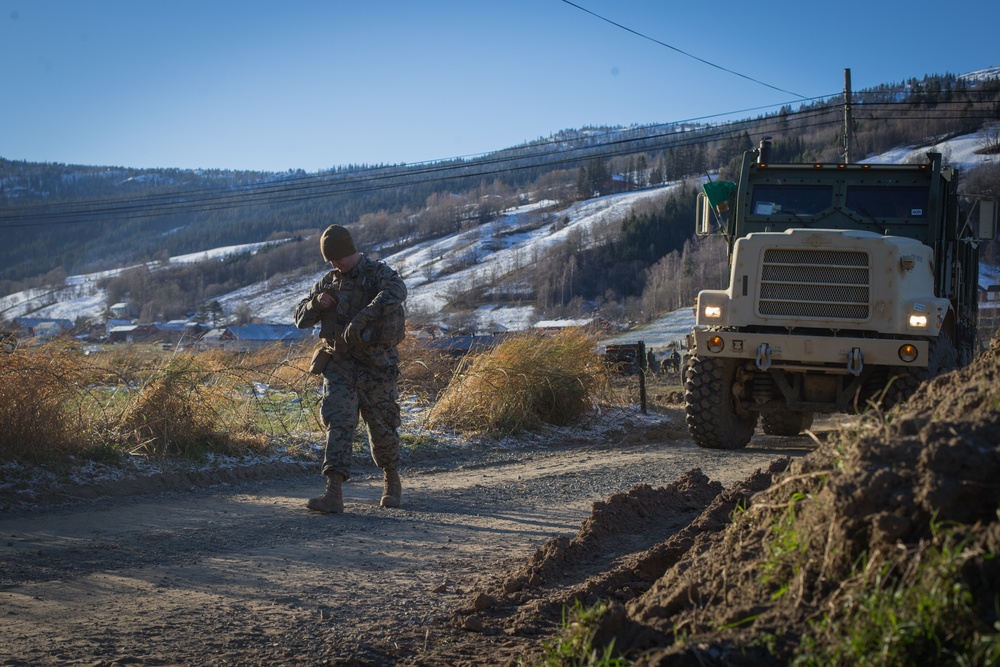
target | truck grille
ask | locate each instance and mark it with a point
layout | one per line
(827, 284)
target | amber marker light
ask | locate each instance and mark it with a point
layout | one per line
(716, 344)
(908, 353)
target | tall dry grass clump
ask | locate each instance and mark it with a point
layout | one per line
(425, 371)
(182, 412)
(56, 402)
(192, 404)
(523, 383)
(38, 405)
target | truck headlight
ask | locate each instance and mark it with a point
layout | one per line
(713, 312)
(918, 321)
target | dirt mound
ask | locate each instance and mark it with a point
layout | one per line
(879, 543)
(639, 534)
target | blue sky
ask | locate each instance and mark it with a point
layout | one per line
(310, 85)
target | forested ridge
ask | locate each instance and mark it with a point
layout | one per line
(61, 220)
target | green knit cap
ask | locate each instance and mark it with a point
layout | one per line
(336, 243)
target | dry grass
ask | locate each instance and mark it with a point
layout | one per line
(525, 382)
(426, 372)
(36, 396)
(187, 409)
(56, 402)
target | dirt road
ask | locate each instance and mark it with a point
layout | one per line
(245, 575)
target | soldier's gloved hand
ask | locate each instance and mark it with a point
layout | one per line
(353, 331)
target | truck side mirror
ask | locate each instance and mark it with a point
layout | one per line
(987, 230)
(703, 216)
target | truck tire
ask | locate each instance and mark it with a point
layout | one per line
(904, 384)
(942, 358)
(710, 407)
(785, 422)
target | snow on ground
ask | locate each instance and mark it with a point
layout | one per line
(959, 152)
(665, 331)
(989, 275)
(438, 269)
(512, 318)
(272, 301)
(83, 298)
(981, 75)
(221, 253)
(493, 250)
(498, 249)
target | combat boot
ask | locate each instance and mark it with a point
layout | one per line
(331, 502)
(392, 489)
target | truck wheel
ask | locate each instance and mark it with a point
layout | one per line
(785, 422)
(942, 357)
(903, 385)
(710, 407)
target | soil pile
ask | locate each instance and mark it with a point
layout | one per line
(876, 548)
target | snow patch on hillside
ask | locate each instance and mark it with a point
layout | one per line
(959, 152)
(499, 249)
(437, 270)
(83, 298)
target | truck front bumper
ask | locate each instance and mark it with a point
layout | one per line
(793, 352)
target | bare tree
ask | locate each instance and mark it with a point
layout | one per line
(989, 142)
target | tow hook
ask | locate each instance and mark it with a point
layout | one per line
(764, 356)
(854, 361)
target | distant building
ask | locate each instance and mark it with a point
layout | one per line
(133, 333)
(426, 331)
(594, 325)
(252, 336)
(125, 311)
(989, 312)
(41, 328)
(112, 323)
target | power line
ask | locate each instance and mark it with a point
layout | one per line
(413, 167)
(315, 187)
(192, 198)
(211, 200)
(681, 51)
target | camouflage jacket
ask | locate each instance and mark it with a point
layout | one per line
(372, 289)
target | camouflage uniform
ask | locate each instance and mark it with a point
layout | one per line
(359, 377)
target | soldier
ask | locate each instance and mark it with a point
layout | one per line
(359, 305)
(675, 361)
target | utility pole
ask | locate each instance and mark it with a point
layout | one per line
(847, 115)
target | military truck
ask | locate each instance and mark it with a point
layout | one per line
(849, 285)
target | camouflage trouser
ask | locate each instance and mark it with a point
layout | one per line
(350, 387)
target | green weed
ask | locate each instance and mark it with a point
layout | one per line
(784, 547)
(417, 440)
(575, 645)
(913, 609)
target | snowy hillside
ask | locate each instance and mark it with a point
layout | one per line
(437, 270)
(83, 298)
(959, 152)
(492, 251)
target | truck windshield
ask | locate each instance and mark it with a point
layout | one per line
(797, 200)
(893, 201)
